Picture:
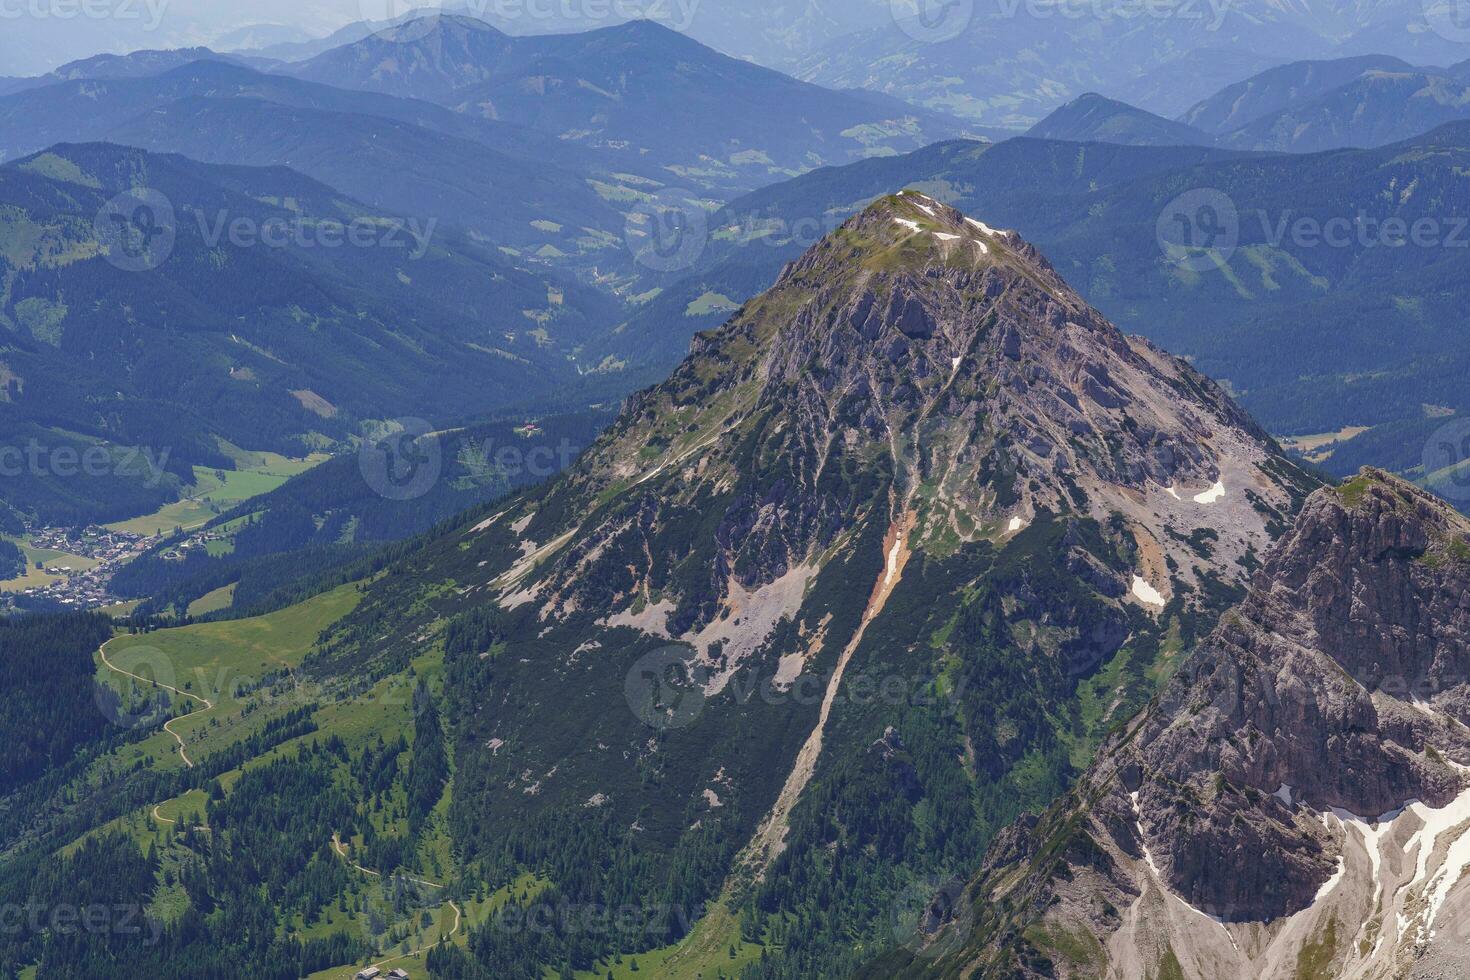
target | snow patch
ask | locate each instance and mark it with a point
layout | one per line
(1144, 592)
(1212, 495)
(984, 227)
(1015, 525)
(1173, 492)
(1284, 793)
(954, 363)
(910, 225)
(946, 237)
(1331, 882)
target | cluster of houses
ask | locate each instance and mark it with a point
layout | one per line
(76, 587)
(201, 539)
(373, 973)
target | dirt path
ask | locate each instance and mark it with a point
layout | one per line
(341, 851)
(167, 726)
(770, 838)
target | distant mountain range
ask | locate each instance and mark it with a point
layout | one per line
(1094, 118)
(1011, 64)
(1303, 107)
(640, 91)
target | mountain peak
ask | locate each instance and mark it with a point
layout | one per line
(912, 233)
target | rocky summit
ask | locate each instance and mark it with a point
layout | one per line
(906, 537)
(1297, 799)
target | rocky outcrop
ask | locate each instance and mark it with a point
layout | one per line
(1300, 789)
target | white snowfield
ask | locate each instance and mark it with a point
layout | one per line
(1144, 592)
(1395, 876)
(910, 225)
(986, 228)
(1212, 495)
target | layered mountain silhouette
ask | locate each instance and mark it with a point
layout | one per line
(639, 90)
(1094, 118)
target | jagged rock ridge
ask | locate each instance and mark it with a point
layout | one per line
(1298, 794)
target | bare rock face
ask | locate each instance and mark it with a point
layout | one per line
(1304, 782)
(926, 352)
(1312, 683)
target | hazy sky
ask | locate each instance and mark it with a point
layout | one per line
(37, 35)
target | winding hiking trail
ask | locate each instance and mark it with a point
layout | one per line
(341, 851)
(102, 652)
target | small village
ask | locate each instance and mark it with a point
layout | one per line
(83, 585)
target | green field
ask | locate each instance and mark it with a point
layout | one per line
(221, 598)
(35, 578)
(216, 491)
(713, 949)
(217, 662)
